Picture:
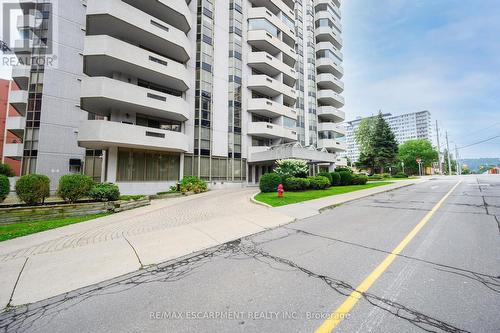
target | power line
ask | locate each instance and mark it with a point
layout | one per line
(482, 141)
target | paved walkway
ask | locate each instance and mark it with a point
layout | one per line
(57, 261)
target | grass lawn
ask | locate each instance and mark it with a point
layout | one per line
(9, 231)
(294, 197)
(391, 179)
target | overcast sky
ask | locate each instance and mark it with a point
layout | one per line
(437, 55)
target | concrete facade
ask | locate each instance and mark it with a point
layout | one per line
(144, 93)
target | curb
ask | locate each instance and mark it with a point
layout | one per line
(252, 199)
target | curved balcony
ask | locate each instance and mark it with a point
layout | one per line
(329, 81)
(101, 94)
(265, 85)
(21, 76)
(327, 65)
(105, 56)
(332, 145)
(329, 113)
(331, 98)
(271, 131)
(329, 46)
(332, 127)
(271, 109)
(327, 34)
(13, 150)
(263, 40)
(174, 12)
(102, 134)
(275, 6)
(323, 12)
(16, 125)
(264, 13)
(19, 100)
(122, 21)
(272, 66)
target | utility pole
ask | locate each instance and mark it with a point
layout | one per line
(449, 159)
(459, 167)
(439, 149)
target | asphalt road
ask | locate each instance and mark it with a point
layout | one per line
(290, 279)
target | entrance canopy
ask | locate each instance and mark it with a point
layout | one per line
(293, 151)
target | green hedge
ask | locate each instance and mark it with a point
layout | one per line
(359, 180)
(4, 187)
(105, 192)
(401, 175)
(74, 187)
(33, 189)
(269, 182)
(193, 184)
(296, 184)
(327, 175)
(6, 170)
(345, 178)
(376, 177)
(318, 182)
(343, 170)
(335, 178)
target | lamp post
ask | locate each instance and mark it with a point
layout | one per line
(403, 166)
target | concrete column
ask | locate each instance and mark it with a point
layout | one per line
(181, 167)
(112, 164)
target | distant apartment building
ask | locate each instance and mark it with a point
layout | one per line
(409, 126)
(10, 135)
(145, 92)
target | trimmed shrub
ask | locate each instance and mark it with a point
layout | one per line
(33, 189)
(318, 182)
(335, 178)
(291, 168)
(6, 170)
(105, 192)
(269, 182)
(345, 178)
(386, 175)
(327, 175)
(193, 184)
(74, 187)
(401, 175)
(376, 177)
(359, 180)
(296, 184)
(4, 187)
(343, 170)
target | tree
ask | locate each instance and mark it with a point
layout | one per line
(364, 139)
(291, 168)
(413, 149)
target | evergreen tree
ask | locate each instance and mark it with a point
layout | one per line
(384, 144)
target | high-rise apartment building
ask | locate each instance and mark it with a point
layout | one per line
(145, 92)
(408, 126)
(10, 134)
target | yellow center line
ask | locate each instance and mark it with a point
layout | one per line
(340, 313)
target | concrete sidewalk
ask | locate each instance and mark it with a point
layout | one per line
(54, 262)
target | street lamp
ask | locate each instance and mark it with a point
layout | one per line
(403, 166)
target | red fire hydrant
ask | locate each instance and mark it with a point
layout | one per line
(280, 191)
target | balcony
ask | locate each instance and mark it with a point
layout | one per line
(327, 65)
(106, 56)
(19, 100)
(21, 75)
(271, 109)
(263, 84)
(323, 12)
(332, 127)
(331, 98)
(122, 21)
(329, 46)
(272, 66)
(263, 40)
(263, 13)
(275, 6)
(13, 150)
(329, 81)
(271, 131)
(28, 21)
(16, 125)
(101, 94)
(341, 162)
(101, 134)
(327, 34)
(332, 145)
(174, 12)
(329, 113)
